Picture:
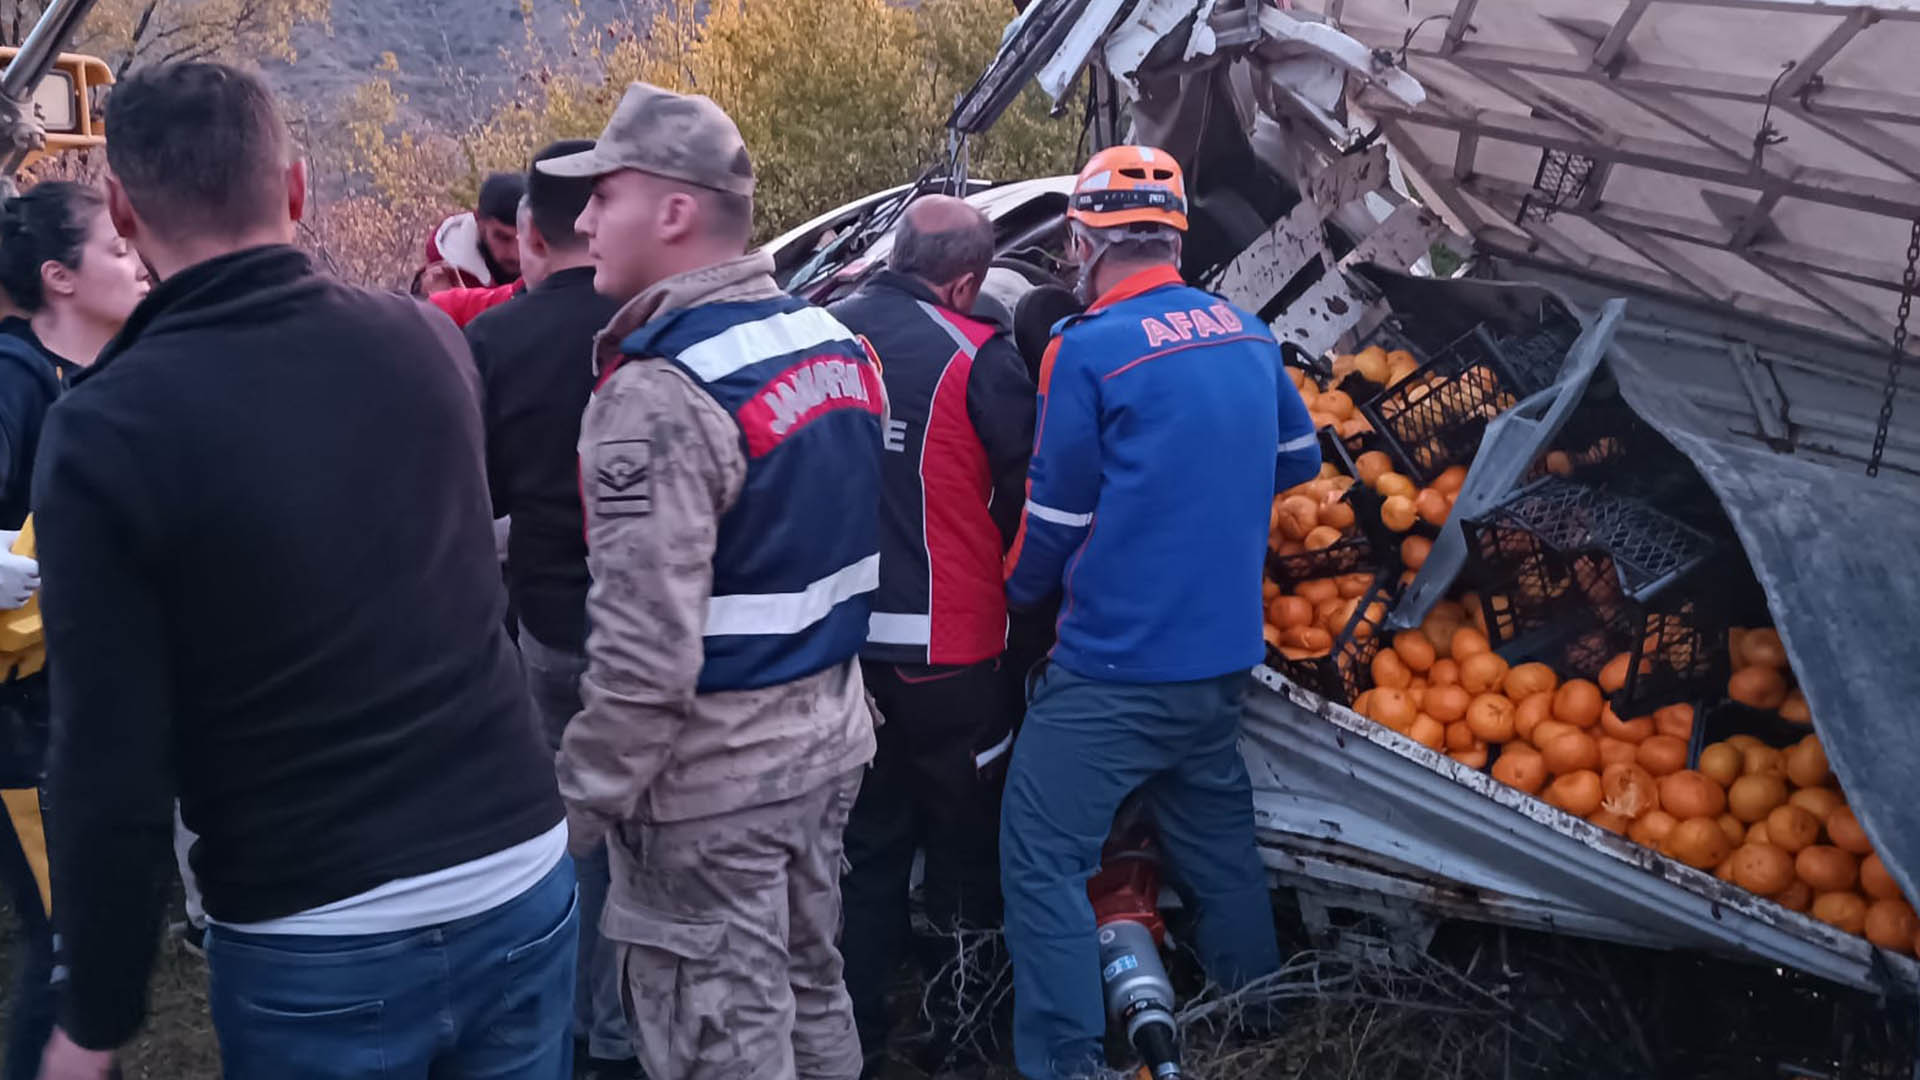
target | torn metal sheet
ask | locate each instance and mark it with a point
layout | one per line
(1057, 74)
(1407, 234)
(1318, 318)
(1258, 274)
(1141, 32)
(1348, 784)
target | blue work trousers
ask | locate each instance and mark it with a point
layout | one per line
(487, 997)
(1086, 746)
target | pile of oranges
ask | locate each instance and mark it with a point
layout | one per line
(1312, 516)
(1761, 678)
(1336, 408)
(1303, 622)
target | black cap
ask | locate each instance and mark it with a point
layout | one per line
(500, 197)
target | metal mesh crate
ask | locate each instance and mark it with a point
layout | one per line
(1347, 671)
(1367, 548)
(1434, 418)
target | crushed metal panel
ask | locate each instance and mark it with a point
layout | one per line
(1258, 274)
(1140, 32)
(1057, 74)
(1316, 318)
(1294, 741)
(1401, 240)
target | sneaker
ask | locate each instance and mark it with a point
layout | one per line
(190, 937)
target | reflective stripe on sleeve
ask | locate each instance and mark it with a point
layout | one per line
(790, 613)
(1058, 517)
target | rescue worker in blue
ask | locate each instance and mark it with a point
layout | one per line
(1166, 427)
(76, 280)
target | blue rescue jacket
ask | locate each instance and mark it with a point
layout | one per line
(798, 555)
(1165, 429)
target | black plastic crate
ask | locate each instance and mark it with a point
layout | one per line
(1434, 419)
(1716, 721)
(1575, 575)
(1368, 548)
(1347, 671)
(1534, 358)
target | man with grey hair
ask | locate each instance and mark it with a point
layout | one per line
(729, 460)
(952, 481)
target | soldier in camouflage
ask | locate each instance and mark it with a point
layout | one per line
(729, 469)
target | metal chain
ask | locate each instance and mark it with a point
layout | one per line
(1899, 351)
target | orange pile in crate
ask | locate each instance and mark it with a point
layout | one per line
(1303, 621)
(1313, 515)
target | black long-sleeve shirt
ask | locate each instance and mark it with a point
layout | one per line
(536, 372)
(270, 584)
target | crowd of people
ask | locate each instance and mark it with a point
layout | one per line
(772, 574)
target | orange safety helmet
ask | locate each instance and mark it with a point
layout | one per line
(1129, 185)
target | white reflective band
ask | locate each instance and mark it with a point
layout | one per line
(1300, 443)
(891, 628)
(790, 613)
(749, 343)
(960, 341)
(1058, 517)
(998, 750)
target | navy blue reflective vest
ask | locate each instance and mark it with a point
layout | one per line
(798, 556)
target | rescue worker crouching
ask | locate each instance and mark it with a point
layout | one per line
(952, 478)
(1166, 428)
(730, 459)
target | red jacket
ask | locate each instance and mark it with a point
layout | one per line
(463, 305)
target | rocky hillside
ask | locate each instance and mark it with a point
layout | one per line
(430, 37)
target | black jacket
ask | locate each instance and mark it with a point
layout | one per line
(535, 355)
(30, 379)
(270, 581)
(953, 475)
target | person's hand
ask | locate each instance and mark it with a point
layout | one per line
(437, 278)
(64, 1059)
(19, 575)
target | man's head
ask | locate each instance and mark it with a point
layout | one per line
(672, 190)
(1127, 213)
(202, 164)
(534, 266)
(497, 213)
(948, 245)
(553, 204)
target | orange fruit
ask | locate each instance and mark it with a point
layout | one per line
(1844, 911)
(1687, 794)
(1791, 828)
(1698, 842)
(1614, 675)
(1306, 639)
(1571, 752)
(1392, 484)
(1459, 736)
(1797, 897)
(1466, 642)
(1335, 403)
(1490, 716)
(1664, 754)
(1745, 742)
(1559, 464)
(1428, 732)
(1431, 506)
(1875, 881)
(1736, 832)
(1391, 707)
(1519, 766)
(1610, 821)
(1447, 703)
(1415, 650)
(1807, 763)
(1818, 801)
(1289, 611)
(1891, 924)
(1444, 672)
(1474, 757)
(1317, 590)
(1636, 730)
(1414, 551)
(1450, 480)
(1482, 673)
(1526, 680)
(1299, 515)
(1845, 832)
(1353, 585)
(1371, 466)
(1389, 670)
(1674, 720)
(1721, 761)
(1546, 731)
(1371, 364)
(1763, 869)
(1532, 709)
(1577, 702)
(1762, 760)
(1628, 790)
(1757, 834)
(1826, 869)
(1322, 537)
(1794, 710)
(1758, 686)
(1615, 752)
(1398, 513)
(1400, 364)
(1762, 648)
(1752, 798)
(1652, 828)
(1337, 513)
(1577, 792)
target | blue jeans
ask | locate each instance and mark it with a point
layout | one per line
(484, 997)
(598, 1017)
(1086, 746)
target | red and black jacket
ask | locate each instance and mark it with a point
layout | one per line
(952, 476)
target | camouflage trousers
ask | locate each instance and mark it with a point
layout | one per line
(726, 929)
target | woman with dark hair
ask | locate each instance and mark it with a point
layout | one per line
(73, 281)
